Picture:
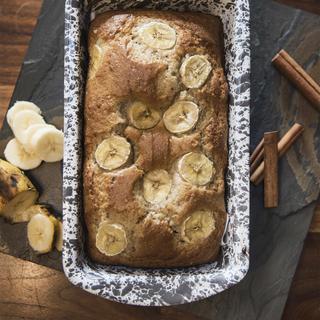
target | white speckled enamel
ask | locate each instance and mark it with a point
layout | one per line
(155, 287)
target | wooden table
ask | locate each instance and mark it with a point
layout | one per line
(29, 291)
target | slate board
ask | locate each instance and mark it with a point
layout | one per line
(277, 235)
(40, 81)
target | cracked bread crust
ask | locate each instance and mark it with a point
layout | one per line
(124, 71)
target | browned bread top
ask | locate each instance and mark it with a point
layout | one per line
(139, 60)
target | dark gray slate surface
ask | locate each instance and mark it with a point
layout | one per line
(40, 81)
(276, 235)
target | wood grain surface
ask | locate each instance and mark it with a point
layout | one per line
(315, 224)
(304, 297)
(30, 291)
(17, 20)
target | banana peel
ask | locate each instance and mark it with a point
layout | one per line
(17, 204)
(17, 193)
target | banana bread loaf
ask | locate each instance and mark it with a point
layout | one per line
(155, 139)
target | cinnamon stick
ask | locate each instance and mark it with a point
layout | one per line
(270, 169)
(256, 156)
(283, 145)
(298, 77)
(289, 138)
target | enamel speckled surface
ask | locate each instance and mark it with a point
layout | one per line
(162, 286)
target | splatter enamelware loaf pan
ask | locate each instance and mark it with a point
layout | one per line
(157, 287)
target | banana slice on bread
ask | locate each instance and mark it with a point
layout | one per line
(112, 152)
(195, 70)
(111, 238)
(158, 35)
(156, 186)
(199, 225)
(96, 55)
(143, 116)
(181, 116)
(196, 168)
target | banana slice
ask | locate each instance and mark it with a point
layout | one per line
(40, 232)
(142, 116)
(47, 144)
(196, 168)
(158, 35)
(30, 132)
(194, 71)
(59, 237)
(198, 226)
(22, 121)
(26, 214)
(18, 156)
(96, 55)
(112, 152)
(156, 186)
(181, 116)
(20, 106)
(111, 238)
